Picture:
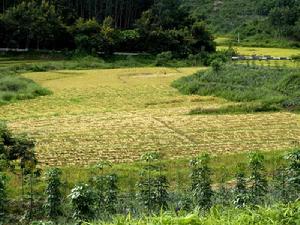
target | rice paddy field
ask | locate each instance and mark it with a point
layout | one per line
(276, 52)
(118, 114)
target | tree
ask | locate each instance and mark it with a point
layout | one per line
(258, 181)
(153, 185)
(293, 171)
(18, 149)
(3, 197)
(110, 36)
(202, 41)
(111, 194)
(240, 190)
(222, 195)
(54, 197)
(106, 189)
(82, 200)
(201, 181)
(32, 24)
(87, 35)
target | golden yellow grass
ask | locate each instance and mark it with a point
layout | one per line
(276, 52)
(118, 114)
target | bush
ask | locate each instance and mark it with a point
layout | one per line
(216, 65)
(258, 181)
(241, 196)
(163, 58)
(3, 197)
(153, 185)
(83, 200)
(293, 171)
(201, 181)
(54, 197)
(87, 35)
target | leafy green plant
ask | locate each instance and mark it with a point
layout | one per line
(258, 182)
(223, 194)
(201, 181)
(281, 186)
(106, 189)
(163, 58)
(240, 191)
(153, 185)
(98, 181)
(3, 197)
(216, 65)
(53, 204)
(293, 170)
(111, 195)
(83, 201)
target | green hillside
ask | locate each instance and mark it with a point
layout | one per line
(260, 22)
(225, 15)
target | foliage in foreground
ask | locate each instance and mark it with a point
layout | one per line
(288, 214)
(261, 88)
(100, 198)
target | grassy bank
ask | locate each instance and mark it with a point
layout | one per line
(177, 171)
(261, 88)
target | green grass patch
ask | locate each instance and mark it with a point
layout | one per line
(14, 88)
(275, 214)
(254, 107)
(271, 87)
(177, 172)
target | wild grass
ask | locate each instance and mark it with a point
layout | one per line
(178, 172)
(276, 214)
(271, 87)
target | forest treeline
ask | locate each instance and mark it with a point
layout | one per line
(162, 26)
(124, 12)
(152, 26)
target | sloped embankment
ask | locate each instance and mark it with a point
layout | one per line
(255, 88)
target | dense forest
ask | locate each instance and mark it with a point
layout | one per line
(150, 26)
(124, 12)
(165, 26)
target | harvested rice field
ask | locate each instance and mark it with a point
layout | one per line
(118, 114)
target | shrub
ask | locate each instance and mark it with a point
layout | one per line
(153, 185)
(106, 189)
(258, 181)
(82, 200)
(163, 58)
(216, 65)
(87, 35)
(111, 195)
(282, 190)
(3, 197)
(54, 197)
(222, 195)
(293, 171)
(201, 181)
(240, 190)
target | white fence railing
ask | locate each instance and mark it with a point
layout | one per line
(14, 50)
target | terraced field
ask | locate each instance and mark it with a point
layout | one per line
(118, 114)
(276, 52)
